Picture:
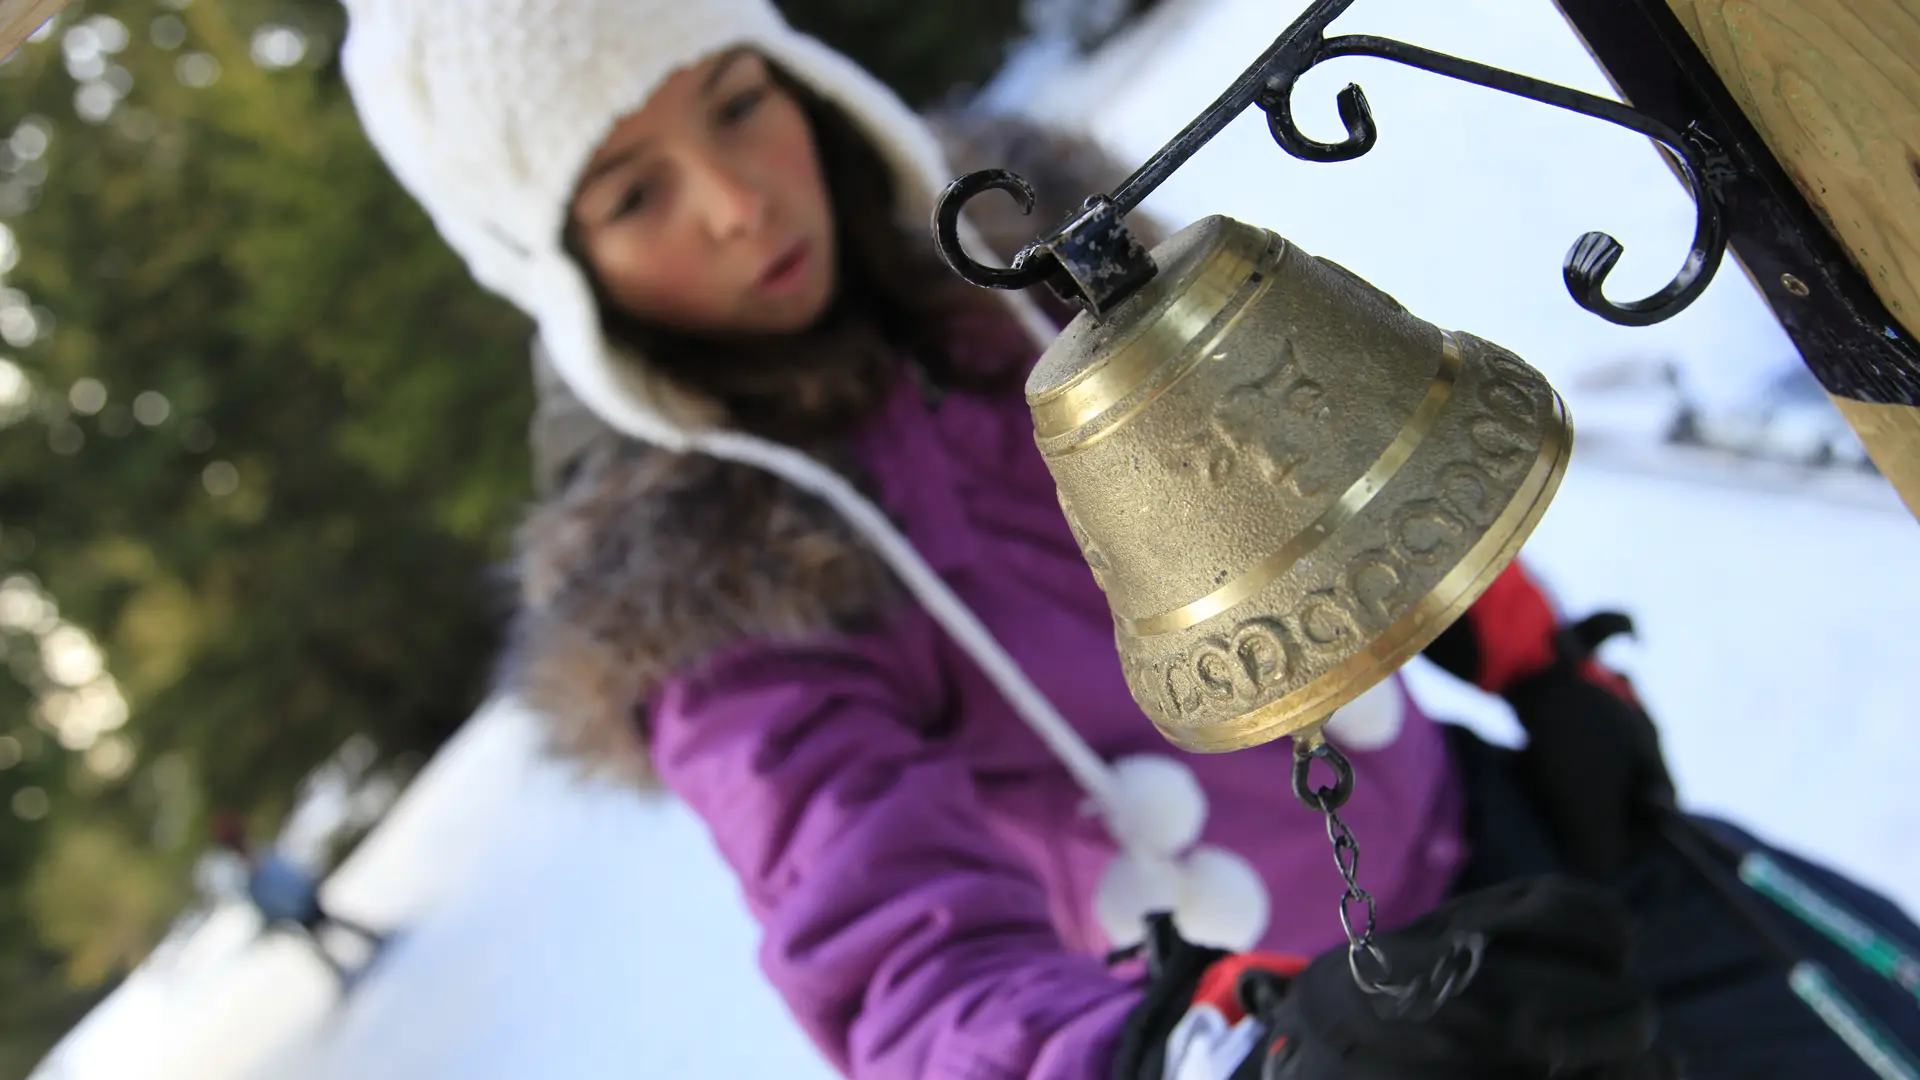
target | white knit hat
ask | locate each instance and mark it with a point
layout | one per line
(488, 112)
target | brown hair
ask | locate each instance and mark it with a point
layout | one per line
(894, 296)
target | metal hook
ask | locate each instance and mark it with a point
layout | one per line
(1594, 255)
(1355, 114)
(1321, 800)
(1030, 267)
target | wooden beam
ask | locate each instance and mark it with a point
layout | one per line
(1834, 88)
(1824, 97)
(20, 18)
(1895, 431)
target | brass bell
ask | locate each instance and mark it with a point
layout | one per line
(1285, 482)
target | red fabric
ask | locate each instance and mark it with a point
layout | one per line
(1219, 986)
(1513, 623)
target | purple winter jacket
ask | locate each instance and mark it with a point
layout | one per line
(922, 865)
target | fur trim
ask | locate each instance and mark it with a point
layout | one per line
(641, 562)
(651, 561)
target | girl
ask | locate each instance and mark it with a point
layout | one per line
(799, 562)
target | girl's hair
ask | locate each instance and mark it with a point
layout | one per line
(894, 296)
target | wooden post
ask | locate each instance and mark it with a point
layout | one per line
(20, 18)
(1833, 86)
(1828, 91)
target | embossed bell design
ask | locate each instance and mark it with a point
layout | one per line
(1285, 482)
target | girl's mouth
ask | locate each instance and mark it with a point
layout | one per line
(788, 271)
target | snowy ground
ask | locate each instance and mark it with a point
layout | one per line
(558, 932)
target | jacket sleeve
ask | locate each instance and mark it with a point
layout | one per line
(909, 944)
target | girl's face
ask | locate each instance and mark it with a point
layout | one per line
(706, 210)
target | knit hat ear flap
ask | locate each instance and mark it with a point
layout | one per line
(634, 398)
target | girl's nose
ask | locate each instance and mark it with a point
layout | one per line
(731, 203)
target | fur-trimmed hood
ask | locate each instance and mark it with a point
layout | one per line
(637, 562)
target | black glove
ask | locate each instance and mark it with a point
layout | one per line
(1536, 986)
(1592, 761)
(1549, 996)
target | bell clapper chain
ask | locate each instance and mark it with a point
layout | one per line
(1425, 992)
(1094, 261)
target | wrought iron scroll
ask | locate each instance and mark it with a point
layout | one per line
(1063, 258)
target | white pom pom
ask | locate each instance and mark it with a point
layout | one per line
(1371, 721)
(1223, 902)
(1131, 888)
(1158, 808)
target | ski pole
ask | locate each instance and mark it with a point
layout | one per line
(1809, 980)
(1815, 986)
(1875, 949)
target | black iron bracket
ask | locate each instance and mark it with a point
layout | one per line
(1742, 194)
(1849, 340)
(1093, 261)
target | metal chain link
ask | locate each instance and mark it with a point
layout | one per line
(1422, 995)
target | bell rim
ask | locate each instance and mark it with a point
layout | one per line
(1407, 636)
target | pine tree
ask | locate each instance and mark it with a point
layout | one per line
(261, 447)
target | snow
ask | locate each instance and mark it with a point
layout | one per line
(1774, 646)
(550, 930)
(606, 940)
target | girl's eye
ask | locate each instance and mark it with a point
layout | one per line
(741, 105)
(631, 200)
